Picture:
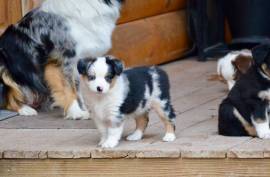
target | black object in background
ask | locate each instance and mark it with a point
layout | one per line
(206, 27)
(249, 21)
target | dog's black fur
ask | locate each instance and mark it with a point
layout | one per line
(244, 96)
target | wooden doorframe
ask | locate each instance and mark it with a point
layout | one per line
(11, 13)
(28, 5)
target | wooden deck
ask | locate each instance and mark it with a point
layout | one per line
(50, 145)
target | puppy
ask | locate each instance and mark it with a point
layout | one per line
(118, 95)
(58, 32)
(245, 110)
(233, 65)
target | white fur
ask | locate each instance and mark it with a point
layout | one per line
(135, 136)
(114, 135)
(99, 69)
(169, 137)
(226, 69)
(75, 112)
(105, 106)
(91, 22)
(264, 95)
(27, 111)
(262, 129)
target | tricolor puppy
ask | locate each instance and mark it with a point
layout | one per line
(245, 111)
(39, 54)
(117, 95)
(233, 65)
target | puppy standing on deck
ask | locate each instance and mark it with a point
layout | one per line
(117, 95)
(246, 109)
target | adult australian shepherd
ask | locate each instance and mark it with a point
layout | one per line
(39, 54)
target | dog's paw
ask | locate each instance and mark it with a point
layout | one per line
(27, 111)
(82, 115)
(135, 136)
(76, 113)
(109, 143)
(169, 137)
(264, 134)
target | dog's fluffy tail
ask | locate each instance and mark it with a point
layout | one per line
(23, 58)
(23, 73)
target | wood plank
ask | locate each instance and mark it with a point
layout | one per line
(134, 168)
(255, 148)
(134, 10)
(153, 40)
(46, 120)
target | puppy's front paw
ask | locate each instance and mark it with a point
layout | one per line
(27, 111)
(109, 143)
(264, 134)
(84, 115)
(169, 137)
(135, 136)
(76, 113)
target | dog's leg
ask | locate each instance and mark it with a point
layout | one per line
(166, 113)
(64, 93)
(114, 134)
(260, 121)
(102, 130)
(141, 124)
(16, 98)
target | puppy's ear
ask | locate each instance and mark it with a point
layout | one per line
(243, 63)
(117, 64)
(83, 65)
(260, 53)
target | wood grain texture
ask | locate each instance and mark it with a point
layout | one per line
(134, 10)
(10, 12)
(153, 40)
(135, 167)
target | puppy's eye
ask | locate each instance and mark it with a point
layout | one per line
(109, 78)
(91, 77)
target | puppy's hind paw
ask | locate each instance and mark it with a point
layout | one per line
(169, 137)
(135, 136)
(27, 111)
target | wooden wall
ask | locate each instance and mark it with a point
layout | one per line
(151, 32)
(10, 12)
(148, 32)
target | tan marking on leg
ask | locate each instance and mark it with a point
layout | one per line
(249, 128)
(142, 122)
(169, 126)
(15, 97)
(63, 93)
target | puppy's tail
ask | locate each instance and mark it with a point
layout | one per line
(216, 77)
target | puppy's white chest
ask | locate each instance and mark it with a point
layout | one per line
(264, 95)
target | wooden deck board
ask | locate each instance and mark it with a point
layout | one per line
(196, 102)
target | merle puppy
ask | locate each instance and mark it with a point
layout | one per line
(245, 110)
(118, 95)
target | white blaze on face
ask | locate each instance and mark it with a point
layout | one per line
(99, 69)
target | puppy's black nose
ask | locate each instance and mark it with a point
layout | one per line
(99, 89)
